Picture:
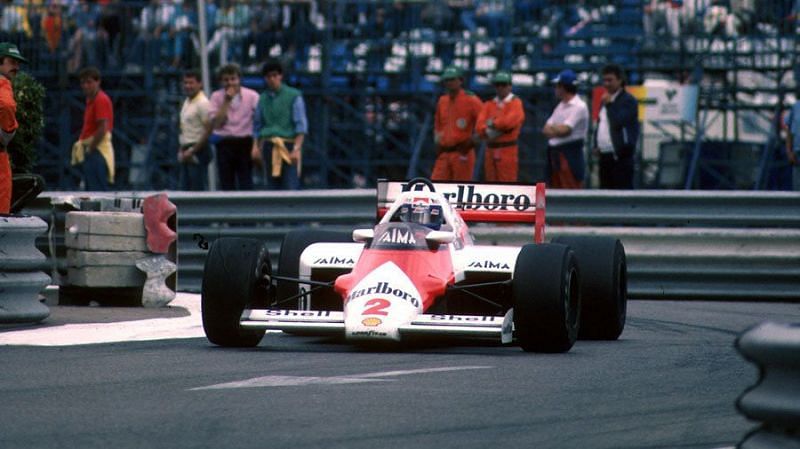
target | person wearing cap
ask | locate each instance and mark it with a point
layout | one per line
(93, 151)
(10, 58)
(454, 127)
(499, 124)
(617, 131)
(566, 131)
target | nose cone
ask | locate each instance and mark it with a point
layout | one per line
(381, 302)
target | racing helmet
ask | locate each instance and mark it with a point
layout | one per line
(423, 213)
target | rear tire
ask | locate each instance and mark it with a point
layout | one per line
(294, 243)
(546, 296)
(236, 277)
(604, 285)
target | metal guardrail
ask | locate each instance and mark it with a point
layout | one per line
(774, 401)
(680, 245)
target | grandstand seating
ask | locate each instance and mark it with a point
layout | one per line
(370, 77)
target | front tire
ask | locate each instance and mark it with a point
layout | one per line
(546, 296)
(604, 285)
(236, 276)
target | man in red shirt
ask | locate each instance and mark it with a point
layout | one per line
(9, 66)
(499, 124)
(93, 150)
(456, 113)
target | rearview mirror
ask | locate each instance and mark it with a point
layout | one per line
(440, 237)
(363, 235)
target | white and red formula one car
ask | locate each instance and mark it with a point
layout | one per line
(418, 273)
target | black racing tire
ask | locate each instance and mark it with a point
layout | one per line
(604, 285)
(546, 296)
(294, 243)
(236, 276)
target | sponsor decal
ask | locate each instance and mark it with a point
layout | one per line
(371, 322)
(488, 264)
(383, 288)
(334, 260)
(398, 236)
(466, 197)
(466, 318)
(298, 313)
(377, 306)
(369, 333)
(420, 201)
(420, 205)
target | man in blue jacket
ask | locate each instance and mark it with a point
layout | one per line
(617, 131)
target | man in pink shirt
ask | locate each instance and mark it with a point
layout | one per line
(230, 113)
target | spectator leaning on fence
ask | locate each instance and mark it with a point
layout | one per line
(454, 128)
(499, 123)
(231, 112)
(193, 154)
(566, 131)
(279, 129)
(93, 151)
(10, 58)
(617, 131)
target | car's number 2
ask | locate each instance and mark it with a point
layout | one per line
(376, 307)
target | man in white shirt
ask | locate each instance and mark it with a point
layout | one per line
(566, 131)
(193, 154)
(617, 131)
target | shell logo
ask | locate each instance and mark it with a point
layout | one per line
(371, 322)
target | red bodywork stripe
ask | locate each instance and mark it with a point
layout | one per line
(430, 271)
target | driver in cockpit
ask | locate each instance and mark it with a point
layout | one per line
(423, 213)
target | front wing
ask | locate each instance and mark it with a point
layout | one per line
(326, 322)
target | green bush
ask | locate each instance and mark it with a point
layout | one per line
(23, 149)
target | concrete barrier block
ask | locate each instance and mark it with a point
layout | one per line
(79, 259)
(91, 242)
(158, 268)
(107, 223)
(106, 276)
(105, 231)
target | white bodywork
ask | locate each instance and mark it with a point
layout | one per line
(385, 304)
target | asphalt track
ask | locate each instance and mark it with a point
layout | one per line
(670, 382)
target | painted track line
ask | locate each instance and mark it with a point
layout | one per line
(293, 381)
(124, 331)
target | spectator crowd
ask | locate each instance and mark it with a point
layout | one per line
(164, 34)
(112, 34)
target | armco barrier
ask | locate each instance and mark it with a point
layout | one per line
(774, 401)
(695, 244)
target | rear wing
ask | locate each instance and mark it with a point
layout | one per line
(479, 202)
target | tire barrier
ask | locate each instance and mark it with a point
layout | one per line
(20, 278)
(679, 244)
(774, 401)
